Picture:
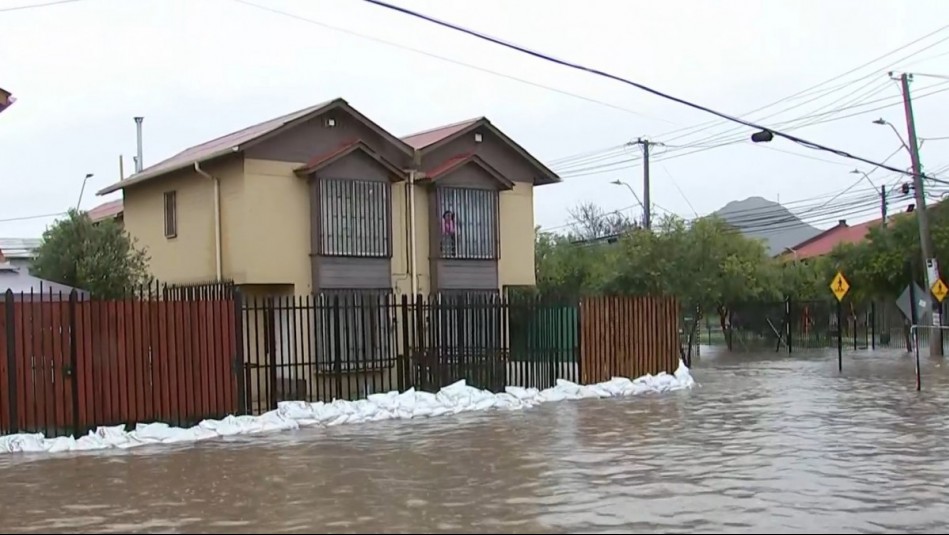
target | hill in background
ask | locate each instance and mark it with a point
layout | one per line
(759, 218)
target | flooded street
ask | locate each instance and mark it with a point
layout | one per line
(774, 443)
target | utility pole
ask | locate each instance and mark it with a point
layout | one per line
(925, 237)
(883, 204)
(647, 206)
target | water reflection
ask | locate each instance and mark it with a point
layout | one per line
(772, 443)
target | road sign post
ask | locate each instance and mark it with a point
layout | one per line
(839, 286)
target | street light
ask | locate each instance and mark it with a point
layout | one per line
(618, 182)
(631, 190)
(83, 189)
(882, 121)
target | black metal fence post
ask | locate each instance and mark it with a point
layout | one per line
(840, 340)
(403, 348)
(338, 347)
(788, 318)
(239, 366)
(10, 311)
(854, 327)
(873, 325)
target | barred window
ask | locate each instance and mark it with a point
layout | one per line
(469, 321)
(354, 217)
(468, 222)
(356, 329)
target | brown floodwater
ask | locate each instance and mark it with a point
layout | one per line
(771, 443)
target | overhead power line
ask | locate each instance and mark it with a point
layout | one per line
(677, 150)
(810, 90)
(449, 60)
(35, 6)
(28, 217)
(604, 74)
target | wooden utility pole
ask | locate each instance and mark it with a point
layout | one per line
(925, 236)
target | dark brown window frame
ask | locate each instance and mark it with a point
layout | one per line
(356, 247)
(170, 211)
(456, 249)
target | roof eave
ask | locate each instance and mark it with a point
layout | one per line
(336, 103)
(307, 170)
(547, 176)
(505, 182)
(145, 176)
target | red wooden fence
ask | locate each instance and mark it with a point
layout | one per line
(76, 365)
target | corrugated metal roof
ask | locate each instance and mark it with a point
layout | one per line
(420, 140)
(19, 247)
(106, 210)
(217, 147)
(19, 280)
(825, 242)
(238, 141)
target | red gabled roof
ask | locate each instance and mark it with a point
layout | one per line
(826, 241)
(459, 160)
(322, 160)
(239, 140)
(106, 210)
(420, 140)
(428, 139)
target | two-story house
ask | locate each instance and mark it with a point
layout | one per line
(325, 201)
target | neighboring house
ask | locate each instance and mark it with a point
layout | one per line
(825, 242)
(6, 99)
(323, 199)
(107, 210)
(20, 252)
(19, 280)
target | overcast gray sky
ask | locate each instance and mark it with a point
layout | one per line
(197, 69)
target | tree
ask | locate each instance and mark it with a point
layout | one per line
(100, 258)
(592, 222)
(705, 263)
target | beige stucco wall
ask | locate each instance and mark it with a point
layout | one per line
(190, 256)
(265, 228)
(423, 264)
(516, 265)
(274, 244)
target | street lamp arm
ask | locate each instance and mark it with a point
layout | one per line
(631, 190)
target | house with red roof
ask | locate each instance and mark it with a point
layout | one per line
(326, 200)
(107, 210)
(825, 242)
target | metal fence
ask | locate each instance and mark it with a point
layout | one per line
(180, 354)
(348, 345)
(802, 325)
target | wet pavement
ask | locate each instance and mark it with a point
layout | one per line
(767, 443)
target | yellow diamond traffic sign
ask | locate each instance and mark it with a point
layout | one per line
(840, 286)
(939, 290)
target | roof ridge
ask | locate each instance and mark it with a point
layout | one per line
(281, 118)
(444, 126)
